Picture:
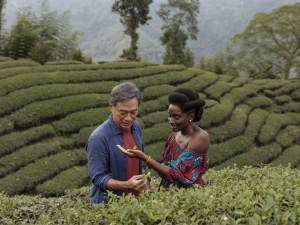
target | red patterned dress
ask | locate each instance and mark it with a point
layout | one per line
(187, 166)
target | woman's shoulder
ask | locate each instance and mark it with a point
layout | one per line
(200, 140)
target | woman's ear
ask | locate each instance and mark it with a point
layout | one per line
(191, 116)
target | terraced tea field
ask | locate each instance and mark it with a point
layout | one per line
(47, 113)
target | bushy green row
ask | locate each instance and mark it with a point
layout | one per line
(158, 104)
(17, 63)
(268, 195)
(288, 88)
(282, 99)
(254, 157)
(72, 178)
(200, 82)
(73, 122)
(29, 176)
(155, 150)
(155, 118)
(172, 78)
(273, 125)
(157, 91)
(288, 136)
(259, 101)
(292, 107)
(41, 112)
(156, 133)
(290, 157)
(296, 94)
(11, 142)
(18, 99)
(218, 153)
(63, 62)
(26, 155)
(25, 81)
(232, 127)
(5, 126)
(218, 89)
(11, 72)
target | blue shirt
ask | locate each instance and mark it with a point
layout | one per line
(105, 160)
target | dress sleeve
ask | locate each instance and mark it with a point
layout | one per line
(185, 170)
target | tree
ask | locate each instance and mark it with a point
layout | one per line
(270, 44)
(133, 13)
(2, 4)
(180, 24)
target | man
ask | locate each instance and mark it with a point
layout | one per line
(109, 168)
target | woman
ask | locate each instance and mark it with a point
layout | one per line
(185, 152)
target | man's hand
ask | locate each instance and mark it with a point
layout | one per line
(138, 183)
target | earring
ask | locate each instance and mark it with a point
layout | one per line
(190, 121)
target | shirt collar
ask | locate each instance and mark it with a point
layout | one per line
(117, 130)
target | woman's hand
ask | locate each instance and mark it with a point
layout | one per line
(133, 153)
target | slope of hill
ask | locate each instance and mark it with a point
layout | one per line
(47, 113)
(103, 38)
(246, 196)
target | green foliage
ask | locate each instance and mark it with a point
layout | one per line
(40, 112)
(156, 133)
(218, 89)
(156, 91)
(259, 101)
(71, 178)
(132, 15)
(248, 195)
(17, 63)
(254, 157)
(40, 170)
(180, 23)
(155, 150)
(11, 142)
(154, 105)
(155, 118)
(290, 157)
(5, 126)
(296, 95)
(280, 100)
(288, 136)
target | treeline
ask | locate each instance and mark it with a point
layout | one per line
(269, 47)
(43, 36)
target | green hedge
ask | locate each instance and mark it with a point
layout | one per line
(150, 106)
(171, 78)
(268, 195)
(240, 94)
(273, 125)
(72, 178)
(5, 126)
(26, 155)
(41, 112)
(218, 153)
(218, 89)
(17, 63)
(274, 84)
(217, 114)
(3, 59)
(254, 157)
(296, 95)
(156, 133)
(240, 81)
(231, 128)
(10, 142)
(28, 177)
(157, 91)
(63, 62)
(83, 135)
(73, 122)
(11, 72)
(288, 136)
(226, 78)
(155, 118)
(280, 100)
(23, 97)
(201, 81)
(290, 157)
(25, 81)
(288, 88)
(259, 102)
(292, 107)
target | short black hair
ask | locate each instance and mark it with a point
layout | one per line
(188, 101)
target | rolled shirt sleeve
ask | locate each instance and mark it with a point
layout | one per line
(98, 161)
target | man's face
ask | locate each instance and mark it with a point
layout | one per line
(124, 113)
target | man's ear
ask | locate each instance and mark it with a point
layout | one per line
(110, 105)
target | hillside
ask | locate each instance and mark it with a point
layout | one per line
(103, 38)
(231, 197)
(47, 113)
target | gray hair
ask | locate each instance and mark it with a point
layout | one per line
(123, 92)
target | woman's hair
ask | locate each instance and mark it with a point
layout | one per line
(123, 92)
(188, 101)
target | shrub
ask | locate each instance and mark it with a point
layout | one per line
(155, 150)
(154, 105)
(254, 157)
(18, 99)
(5, 126)
(156, 133)
(72, 178)
(155, 118)
(17, 63)
(157, 91)
(280, 100)
(40, 112)
(288, 136)
(218, 89)
(10, 142)
(73, 122)
(83, 135)
(292, 107)
(290, 157)
(259, 102)
(29, 176)
(296, 95)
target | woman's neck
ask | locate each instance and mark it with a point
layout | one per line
(188, 131)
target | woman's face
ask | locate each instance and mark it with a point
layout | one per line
(178, 120)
